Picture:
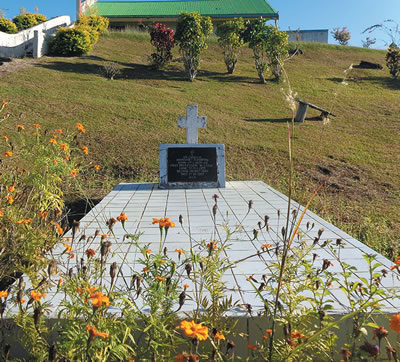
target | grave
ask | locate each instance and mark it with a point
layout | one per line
(247, 215)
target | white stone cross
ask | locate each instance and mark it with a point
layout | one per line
(192, 122)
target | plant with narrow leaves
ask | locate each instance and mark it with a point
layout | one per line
(342, 36)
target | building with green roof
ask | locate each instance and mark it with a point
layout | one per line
(141, 13)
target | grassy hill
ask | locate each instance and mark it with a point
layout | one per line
(127, 118)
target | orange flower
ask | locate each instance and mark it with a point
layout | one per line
(36, 134)
(85, 150)
(145, 270)
(20, 301)
(212, 245)
(10, 200)
(250, 346)
(36, 295)
(185, 286)
(194, 330)
(98, 299)
(66, 158)
(1, 213)
(296, 335)
(67, 248)
(395, 323)
(268, 332)
(266, 246)
(5, 138)
(180, 251)
(24, 221)
(104, 236)
(90, 253)
(148, 251)
(43, 214)
(8, 154)
(161, 279)
(97, 167)
(122, 217)
(59, 131)
(93, 333)
(11, 188)
(219, 336)
(64, 147)
(59, 283)
(4, 103)
(53, 141)
(155, 221)
(3, 294)
(79, 127)
(54, 162)
(74, 172)
(60, 231)
(20, 127)
(36, 125)
(397, 263)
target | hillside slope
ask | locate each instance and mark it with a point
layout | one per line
(127, 118)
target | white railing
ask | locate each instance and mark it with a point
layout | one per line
(31, 41)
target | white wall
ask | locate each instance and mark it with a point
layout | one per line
(33, 40)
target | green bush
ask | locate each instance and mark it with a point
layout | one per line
(25, 21)
(93, 33)
(71, 42)
(7, 26)
(97, 22)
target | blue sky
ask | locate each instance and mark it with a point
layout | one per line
(304, 14)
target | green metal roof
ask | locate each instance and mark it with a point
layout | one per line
(171, 9)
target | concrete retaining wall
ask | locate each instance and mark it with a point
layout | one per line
(315, 36)
(31, 41)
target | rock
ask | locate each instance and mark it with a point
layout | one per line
(368, 65)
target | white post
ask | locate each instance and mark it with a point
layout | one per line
(192, 122)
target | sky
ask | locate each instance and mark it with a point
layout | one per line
(357, 15)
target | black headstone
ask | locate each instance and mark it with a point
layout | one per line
(191, 164)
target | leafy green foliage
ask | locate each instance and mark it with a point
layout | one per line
(393, 61)
(27, 20)
(192, 32)
(342, 36)
(270, 47)
(7, 26)
(97, 22)
(229, 38)
(70, 42)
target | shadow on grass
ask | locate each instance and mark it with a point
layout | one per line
(382, 81)
(269, 120)
(79, 208)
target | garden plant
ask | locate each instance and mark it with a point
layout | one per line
(162, 38)
(342, 36)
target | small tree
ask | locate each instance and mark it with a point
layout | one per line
(192, 32)
(393, 61)
(341, 36)
(162, 38)
(368, 42)
(390, 28)
(270, 47)
(230, 40)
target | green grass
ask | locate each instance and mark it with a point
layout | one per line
(127, 118)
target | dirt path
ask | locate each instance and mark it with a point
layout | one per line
(15, 65)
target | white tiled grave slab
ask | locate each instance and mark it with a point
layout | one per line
(143, 202)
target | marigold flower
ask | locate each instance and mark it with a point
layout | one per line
(59, 131)
(24, 221)
(268, 332)
(180, 251)
(43, 214)
(66, 158)
(5, 138)
(90, 253)
(145, 270)
(155, 221)
(266, 246)
(161, 279)
(397, 263)
(11, 189)
(53, 141)
(296, 335)
(219, 336)
(212, 245)
(64, 147)
(3, 294)
(60, 231)
(148, 251)
(194, 330)
(4, 103)
(122, 217)
(59, 282)
(104, 236)
(85, 150)
(80, 127)
(93, 333)
(1, 213)
(54, 162)
(67, 248)
(20, 127)
(98, 299)
(395, 323)
(36, 295)
(185, 286)
(74, 172)
(97, 167)
(252, 347)
(36, 125)
(10, 200)
(20, 301)
(8, 154)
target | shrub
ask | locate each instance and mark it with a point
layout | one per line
(192, 32)
(393, 61)
(270, 47)
(110, 70)
(7, 26)
(93, 33)
(71, 42)
(341, 36)
(162, 38)
(97, 22)
(27, 20)
(229, 38)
